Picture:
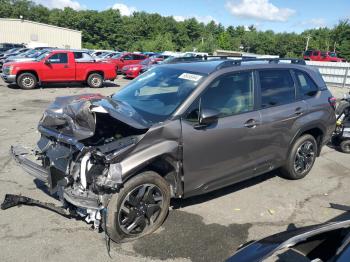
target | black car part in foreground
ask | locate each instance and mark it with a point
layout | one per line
(317, 243)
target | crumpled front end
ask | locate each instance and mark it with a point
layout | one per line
(82, 142)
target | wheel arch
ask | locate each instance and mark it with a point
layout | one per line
(28, 71)
(166, 166)
(100, 72)
(317, 131)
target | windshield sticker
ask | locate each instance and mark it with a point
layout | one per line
(190, 77)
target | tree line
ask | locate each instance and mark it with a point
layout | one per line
(142, 31)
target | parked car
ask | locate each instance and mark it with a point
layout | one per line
(180, 130)
(16, 52)
(30, 55)
(106, 55)
(7, 46)
(134, 70)
(122, 59)
(317, 55)
(97, 53)
(58, 66)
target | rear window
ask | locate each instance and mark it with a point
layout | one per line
(307, 87)
(277, 88)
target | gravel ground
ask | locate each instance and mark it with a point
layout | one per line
(205, 228)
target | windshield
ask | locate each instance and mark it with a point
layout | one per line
(117, 55)
(156, 94)
(332, 54)
(42, 56)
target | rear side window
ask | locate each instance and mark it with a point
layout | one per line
(59, 58)
(307, 87)
(78, 55)
(128, 57)
(277, 88)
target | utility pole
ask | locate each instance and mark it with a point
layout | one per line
(335, 43)
(307, 42)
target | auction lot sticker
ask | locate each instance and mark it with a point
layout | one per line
(191, 77)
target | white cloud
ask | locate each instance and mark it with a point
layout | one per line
(202, 19)
(60, 4)
(259, 9)
(315, 23)
(179, 18)
(124, 9)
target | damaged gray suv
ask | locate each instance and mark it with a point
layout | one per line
(178, 131)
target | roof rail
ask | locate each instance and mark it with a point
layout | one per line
(239, 62)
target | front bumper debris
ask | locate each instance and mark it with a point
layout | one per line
(19, 153)
(16, 200)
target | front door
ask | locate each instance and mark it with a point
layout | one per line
(229, 150)
(59, 69)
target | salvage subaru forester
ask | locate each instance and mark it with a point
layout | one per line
(177, 131)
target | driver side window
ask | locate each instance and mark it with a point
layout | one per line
(59, 58)
(229, 94)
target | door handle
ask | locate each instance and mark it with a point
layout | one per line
(299, 111)
(65, 66)
(251, 123)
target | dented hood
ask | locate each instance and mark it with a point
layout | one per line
(76, 115)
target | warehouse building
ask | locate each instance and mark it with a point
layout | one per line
(33, 34)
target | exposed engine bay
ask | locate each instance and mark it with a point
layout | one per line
(82, 139)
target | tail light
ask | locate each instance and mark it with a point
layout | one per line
(332, 101)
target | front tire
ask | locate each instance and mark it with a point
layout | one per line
(95, 80)
(27, 81)
(301, 158)
(139, 208)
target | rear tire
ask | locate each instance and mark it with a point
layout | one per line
(345, 146)
(301, 158)
(95, 80)
(143, 201)
(27, 81)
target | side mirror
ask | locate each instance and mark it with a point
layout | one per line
(47, 62)
(208, 117)
(122, 59)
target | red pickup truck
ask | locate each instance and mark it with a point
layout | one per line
(317, 55)
(59, 66)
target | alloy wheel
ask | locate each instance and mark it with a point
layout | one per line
(95, 81)
(27, 82)
(140, 209)
(304, 157)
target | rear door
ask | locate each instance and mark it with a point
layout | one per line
(280, 111)
(228, 151)
(60, 67)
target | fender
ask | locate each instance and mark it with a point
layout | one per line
(136, 161)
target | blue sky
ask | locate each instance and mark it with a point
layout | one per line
(278, 15)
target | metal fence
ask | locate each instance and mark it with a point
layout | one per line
(333, 73)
